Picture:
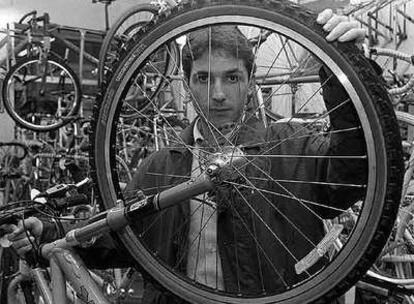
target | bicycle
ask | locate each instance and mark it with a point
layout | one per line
(391, 275)
(119, 33)
(73, 204)
(78, 202)
(63, 103)
(41, 92)
(13, 186)
(81, 280)
(111, 124)
(289, 34)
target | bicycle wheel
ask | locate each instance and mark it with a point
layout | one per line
(394, 265)
(41, 96)
(120, 32)
(271, 248)
(114, 43)
(399, 252)
(407, 123)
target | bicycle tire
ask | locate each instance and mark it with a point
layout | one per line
(394, 264)
(110, 35)
(374, 110)
(113, 46)
(48, 100)
(405, 219)
(408, 119)
(403, 270)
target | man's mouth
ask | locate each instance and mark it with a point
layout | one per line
(216, 109)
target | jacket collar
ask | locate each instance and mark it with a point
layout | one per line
(187, 138)
(253, 135)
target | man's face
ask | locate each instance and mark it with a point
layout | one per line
(219, 84)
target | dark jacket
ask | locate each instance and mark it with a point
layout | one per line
(304, 203)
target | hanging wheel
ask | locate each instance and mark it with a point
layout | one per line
(120, 32)
(41, 95)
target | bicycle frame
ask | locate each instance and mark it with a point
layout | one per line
(67, 266)
(53, 31)
(62, 262)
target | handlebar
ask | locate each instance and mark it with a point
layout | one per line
(12, 212)
(32, 23)
(59, 191)
(140, 206)
(32, 13)
(72, 201)
(45, 19)
(24, 149)
(60, 156)
(119, 217)
(398, 55)
(392, 53)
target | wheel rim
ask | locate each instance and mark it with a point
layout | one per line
(373, 155)
(123, 30)
(59, 96)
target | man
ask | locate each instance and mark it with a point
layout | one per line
(219, 78)
(213, 245)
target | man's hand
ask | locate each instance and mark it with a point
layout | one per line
(340, 28)
(19, 237)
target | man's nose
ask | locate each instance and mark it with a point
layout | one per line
(218, 93)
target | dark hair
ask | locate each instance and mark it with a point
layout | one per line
(226, 38)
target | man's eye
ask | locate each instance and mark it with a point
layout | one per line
(202, 78)
(233, 78)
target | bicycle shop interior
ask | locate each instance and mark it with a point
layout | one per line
(56, 152)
